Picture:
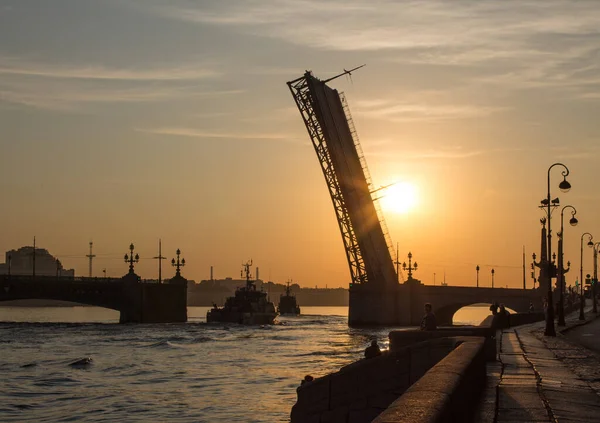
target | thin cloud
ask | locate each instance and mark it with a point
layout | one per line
(385, 24)
(71, 96)
(21, 67)
(442, 154)
(198, 133)
(402, 112)
(570, 153)
(529, 45)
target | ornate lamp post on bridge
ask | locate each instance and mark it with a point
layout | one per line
(561, 270)
(410, 267)
(178, 264)
(582, 298)
(477, 269)
(130, 258)
(548, 203)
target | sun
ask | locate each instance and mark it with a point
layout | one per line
(400, 198)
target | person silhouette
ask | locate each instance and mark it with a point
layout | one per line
(429, 321)
(372, 350)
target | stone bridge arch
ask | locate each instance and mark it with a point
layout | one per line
(447, 300)
(136, 301)
(100, 294)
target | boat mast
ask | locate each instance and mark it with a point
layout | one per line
(246, 266)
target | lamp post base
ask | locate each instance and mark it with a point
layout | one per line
(550, 331)
(561, 315)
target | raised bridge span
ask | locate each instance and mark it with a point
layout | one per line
(376, 298)
(136, 300)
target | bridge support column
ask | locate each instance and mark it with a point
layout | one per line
(371, 306)
(154, 303)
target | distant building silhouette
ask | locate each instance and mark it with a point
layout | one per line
(216, 291)
(21, 263)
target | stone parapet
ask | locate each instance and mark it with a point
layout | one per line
(359, 392)
(446, 393)
(402, 338)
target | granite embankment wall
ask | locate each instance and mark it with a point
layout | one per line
(361, 391)
(426, 376)
(446, 393)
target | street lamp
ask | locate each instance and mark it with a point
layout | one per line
(533, 270)
(590, 244)
(564, 186)
(493, 271)
(410, 266)
(595, 280)
(131, 258)
(561, 270)
(178, 264)
(477, 268)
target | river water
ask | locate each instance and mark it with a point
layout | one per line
(192, 372)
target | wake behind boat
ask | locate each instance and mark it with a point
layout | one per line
(247, 307)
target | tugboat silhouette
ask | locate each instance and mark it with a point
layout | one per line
(247, 307)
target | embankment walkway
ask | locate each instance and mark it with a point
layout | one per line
(536, 378)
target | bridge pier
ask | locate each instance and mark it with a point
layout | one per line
(374, 306)
(154, 303)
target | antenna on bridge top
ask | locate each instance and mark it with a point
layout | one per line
(91, 257)
(160, 258)
(346, 72)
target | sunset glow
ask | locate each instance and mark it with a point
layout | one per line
(133, 121)
(400, 198)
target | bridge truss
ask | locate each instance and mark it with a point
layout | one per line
(329, 124)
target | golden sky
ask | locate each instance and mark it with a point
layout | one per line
(129, 121)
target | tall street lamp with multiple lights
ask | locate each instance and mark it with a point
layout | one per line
(595, 280)
(561, 270)
(548, 203)
(581, 298)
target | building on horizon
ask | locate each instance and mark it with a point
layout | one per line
(20, 263)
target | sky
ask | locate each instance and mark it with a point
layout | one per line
(138, 120)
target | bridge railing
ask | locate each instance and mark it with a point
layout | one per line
(30, 278)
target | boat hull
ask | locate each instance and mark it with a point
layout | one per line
(289, 311)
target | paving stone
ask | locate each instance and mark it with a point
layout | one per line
(518, 397)
(522, 415)
(587, 414)
(514, 359)
(513, 370)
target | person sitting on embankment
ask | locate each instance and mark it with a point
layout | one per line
(428, 322)
(372, 350)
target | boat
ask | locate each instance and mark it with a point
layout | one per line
(287, 302)
(248, 306)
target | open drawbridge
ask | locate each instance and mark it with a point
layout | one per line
(376, 297)
(327, 118)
